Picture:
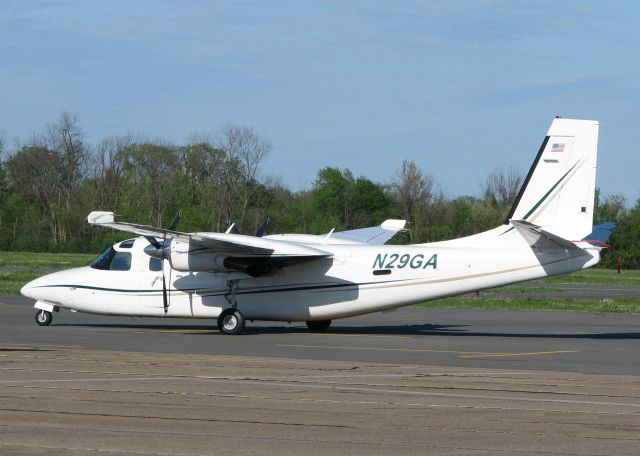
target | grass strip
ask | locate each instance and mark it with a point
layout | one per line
(603, 305)
(11, 282)
(18, 268)
(36, 260)
(527, 290)
(596, 277)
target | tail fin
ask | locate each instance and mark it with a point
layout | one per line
(558, 192)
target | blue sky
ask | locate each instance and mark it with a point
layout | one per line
(458, 87)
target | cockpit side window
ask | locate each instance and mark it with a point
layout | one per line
(121, 261)
(104, 260)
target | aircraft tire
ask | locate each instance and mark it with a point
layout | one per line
(318, 325)
(231, 322)
(43, 318)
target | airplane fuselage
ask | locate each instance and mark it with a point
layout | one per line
(357, 279)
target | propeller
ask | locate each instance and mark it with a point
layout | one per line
(165, 298)
(159, 251)
(263, 228)
(154, 242)
(175, 222)
(233, 229)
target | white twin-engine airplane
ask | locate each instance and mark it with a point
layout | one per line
(298, 277)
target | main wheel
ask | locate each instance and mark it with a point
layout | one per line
(231, 321)
(43, 318)
(318, 325)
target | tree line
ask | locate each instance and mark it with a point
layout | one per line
(51, 181)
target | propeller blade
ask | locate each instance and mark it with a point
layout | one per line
(153, 241)
(233, 229)
(165, 300)
(176, 220)
(263, 228)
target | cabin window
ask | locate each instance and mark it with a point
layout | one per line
(127, 244)
(155, 264)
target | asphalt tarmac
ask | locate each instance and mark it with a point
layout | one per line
(412, 381)
(554, 341)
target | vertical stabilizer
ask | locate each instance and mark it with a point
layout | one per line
(558, 192)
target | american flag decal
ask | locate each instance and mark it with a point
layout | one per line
(557, 147)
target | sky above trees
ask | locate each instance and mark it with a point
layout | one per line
(456, 87)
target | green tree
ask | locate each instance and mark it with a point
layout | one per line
(344, 202)
(609, 208)
(34, 173)
(333, 197)
(414, 192)
(625, 241)
(154, 181)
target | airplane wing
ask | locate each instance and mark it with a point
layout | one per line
(539, 238)
(107, 219)
(249, 254)
(375, 235)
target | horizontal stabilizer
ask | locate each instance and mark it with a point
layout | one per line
(543, 240)
(601, 233)
(375, 235)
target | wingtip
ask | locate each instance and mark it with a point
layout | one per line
(99, 217)
(393, 224)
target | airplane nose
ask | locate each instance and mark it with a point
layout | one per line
(45, 288)
(26, 290)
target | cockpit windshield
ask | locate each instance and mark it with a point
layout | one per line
(104, 260)
(110, 260)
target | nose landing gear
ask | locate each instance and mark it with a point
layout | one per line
(43, 317)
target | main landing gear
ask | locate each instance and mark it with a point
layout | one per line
(43, 317)
(231, 321)
(318, 325)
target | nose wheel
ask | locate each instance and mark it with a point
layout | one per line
(231, 321)
(43, 317)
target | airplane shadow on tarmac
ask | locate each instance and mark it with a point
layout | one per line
(409, 330)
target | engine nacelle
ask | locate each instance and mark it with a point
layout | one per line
(186, 257)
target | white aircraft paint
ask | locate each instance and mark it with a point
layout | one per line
(298, 277)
